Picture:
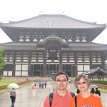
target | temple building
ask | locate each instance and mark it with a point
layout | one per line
(48, 43)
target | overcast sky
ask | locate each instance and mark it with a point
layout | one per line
(85, 10)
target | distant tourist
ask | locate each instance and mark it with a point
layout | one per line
(98, 92)
(34, 89)
(45, 84)
(13, 96)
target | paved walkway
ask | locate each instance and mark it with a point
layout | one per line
(25, 97)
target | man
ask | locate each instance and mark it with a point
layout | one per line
(61, 96)
(13, 96)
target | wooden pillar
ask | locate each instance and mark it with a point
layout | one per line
(14, 60)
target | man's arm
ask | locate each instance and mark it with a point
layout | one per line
(46, 102)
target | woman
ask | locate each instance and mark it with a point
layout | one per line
(85, 98)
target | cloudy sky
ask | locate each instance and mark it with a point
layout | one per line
(85, 10)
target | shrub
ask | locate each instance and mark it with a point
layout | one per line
(99, 82)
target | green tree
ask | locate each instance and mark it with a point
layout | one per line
(2, 63)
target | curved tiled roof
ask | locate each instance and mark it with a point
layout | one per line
(52, 38)
(72, 46)
(88, 46)
(97, 71)
(52, 21)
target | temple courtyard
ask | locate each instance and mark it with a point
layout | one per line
(27, 98)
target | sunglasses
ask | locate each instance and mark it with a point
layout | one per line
(58, 80)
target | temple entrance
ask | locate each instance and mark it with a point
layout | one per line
(36, 70)
(49, 69)
(68, 68)
(52, 69)
(43, 70)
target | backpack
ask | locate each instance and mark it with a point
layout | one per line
(51, 97)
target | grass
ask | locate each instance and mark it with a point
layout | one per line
(99, 82)
(103, 82)
(6, 82)
(4, 90)
(103, 90)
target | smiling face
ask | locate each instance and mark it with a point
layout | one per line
(82, 82)
(61, 82)
(82, 85)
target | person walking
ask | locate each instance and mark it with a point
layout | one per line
(61, 96)
(85, 98)
(13, 96)
(34, 89)
(98, 92)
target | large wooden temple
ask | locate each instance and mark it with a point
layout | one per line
(48, 43)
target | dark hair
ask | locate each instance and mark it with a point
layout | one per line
(61, 73)
(78, 91)
(92, 91)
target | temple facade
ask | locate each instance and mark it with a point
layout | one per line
(46, 44)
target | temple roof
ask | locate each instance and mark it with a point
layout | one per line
(97, 71)
(71, 47)
(52, 21)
